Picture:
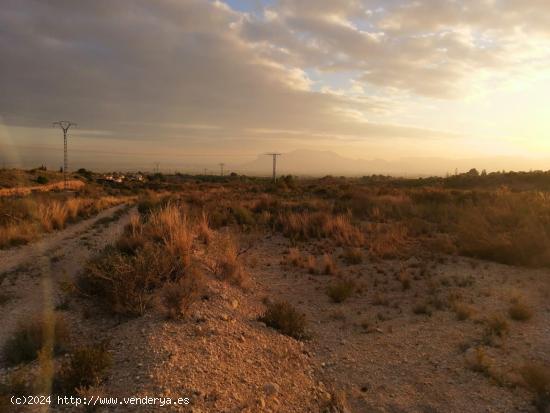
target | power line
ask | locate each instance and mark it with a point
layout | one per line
(65, 125)
(274, 164)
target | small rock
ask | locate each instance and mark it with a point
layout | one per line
(271, 389)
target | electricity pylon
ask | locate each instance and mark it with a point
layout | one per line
(65, 125)
(221, 168)
(274, 164)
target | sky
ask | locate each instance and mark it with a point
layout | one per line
(191, 83)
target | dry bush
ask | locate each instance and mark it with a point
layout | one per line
(353, 256)
(204, 232)
(311, 264)
(86, 366)
(405, 279)
(520, 311)
(463, 311)
(22, 220)
(133, 238)
(228, 265)
(495, 326)
(31, 336)
(422, 308)
(125, 283)
(328, 265)
(178, 297)
(170, 226)
(284, 317)
(319, 225)
(479, 362)
(294, 257)
(511, 228)
(386, 241)
(17, 234)
(338, 403)
(537, 380)
(341, 289)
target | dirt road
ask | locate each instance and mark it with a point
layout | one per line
(30, 275)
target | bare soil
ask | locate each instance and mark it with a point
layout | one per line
(373, 347)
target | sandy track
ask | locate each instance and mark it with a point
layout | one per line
(31, 273)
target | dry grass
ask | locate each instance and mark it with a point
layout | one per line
(294, 257)
(170, 225)
(519, 310)
(463, 311)
(319, 225)
(495, 327)
(353, 256)
(23, 219)
(341, 289)
(85, 367)
(284, 317)
(537, 380)
(328, 265)
(126, 283)
(204, 232)
(178, 297)
(228, 266)
(31, 336)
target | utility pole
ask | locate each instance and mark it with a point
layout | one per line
(274, 164)
(221, 168)
(65, 125)
(157, 167)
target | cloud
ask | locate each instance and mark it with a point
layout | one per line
(431, 48)
(197, 70)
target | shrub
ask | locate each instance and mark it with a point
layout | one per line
(169, 225)
(42, 180)
(353, 256)
(317, 225)
(284, 317)
(422, 308)
(537, 380)
(30, 337)
(338, 403)
(179, 296)
(243, 216)
(463, 311)
(405, 279)
(87, 366)
(311, 264)
(341, 289)
(294, 257)
(328, 265)
(520, 311)
(228, 266)
(125, 283)
(204, 232)
(478, 361)
(495, 326)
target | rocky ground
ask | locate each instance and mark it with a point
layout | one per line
(384, 348)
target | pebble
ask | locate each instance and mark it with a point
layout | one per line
(271, 389)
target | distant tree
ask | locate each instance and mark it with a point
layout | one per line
(473, 172)
(484, 173)
(42, 180)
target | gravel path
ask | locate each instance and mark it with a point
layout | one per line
(30, 275)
